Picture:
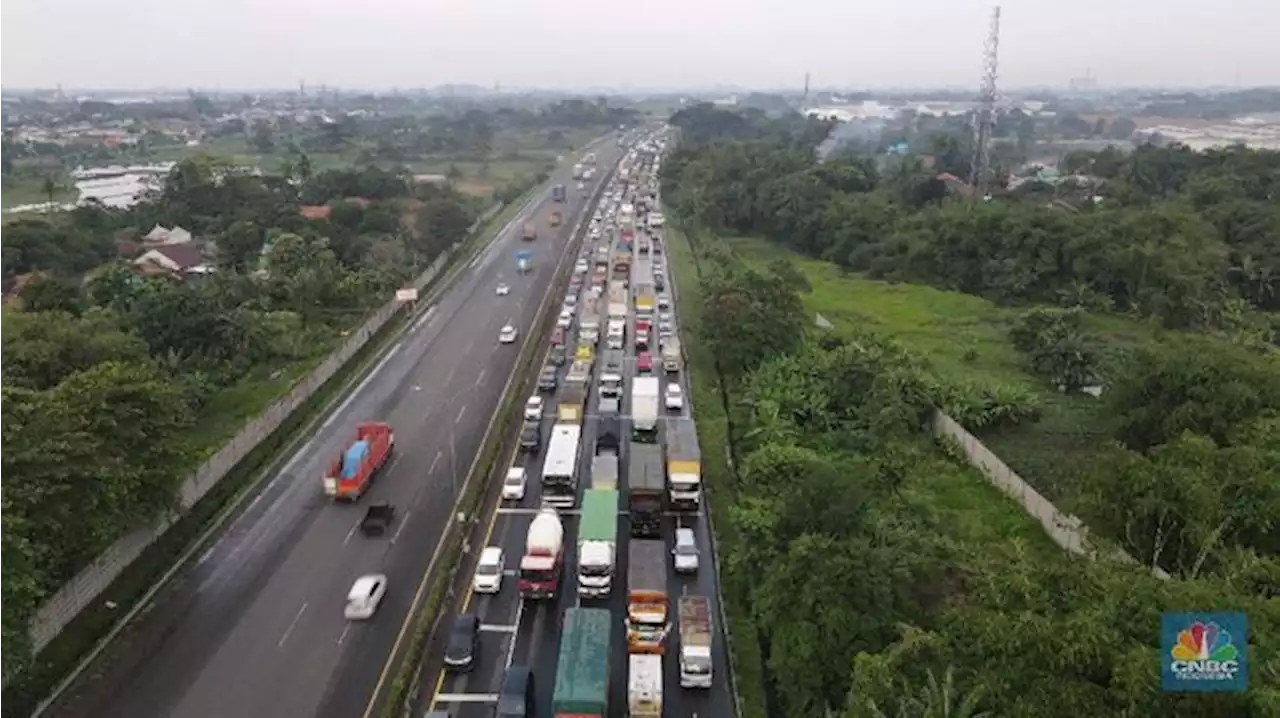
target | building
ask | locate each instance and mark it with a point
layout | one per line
(179, 260)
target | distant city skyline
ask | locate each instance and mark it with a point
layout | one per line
(567, 44)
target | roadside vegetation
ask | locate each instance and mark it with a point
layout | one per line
(122, 375)
(870, 569)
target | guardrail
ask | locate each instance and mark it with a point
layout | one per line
(403, 700)
(70, 600)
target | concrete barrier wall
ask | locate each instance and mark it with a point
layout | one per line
(1066, 530)
(91, 581)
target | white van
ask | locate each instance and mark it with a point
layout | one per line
(685, 554)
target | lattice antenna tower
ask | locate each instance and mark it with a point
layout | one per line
(984, 123)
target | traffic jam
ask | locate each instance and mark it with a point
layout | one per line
(587, 592)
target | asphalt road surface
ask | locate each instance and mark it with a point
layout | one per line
(255, 628)
(516, 632)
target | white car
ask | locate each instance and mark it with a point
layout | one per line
(513, 485)
(365, 596)
(685, 554)
(571, 300)
(502, 290)
(565, 320)
(580, 267)
(533, 408)
(489, 571)
(675, 397)
(507, 335)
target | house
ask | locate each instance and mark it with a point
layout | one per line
(160, 236)
(173, 259)
(315, 211)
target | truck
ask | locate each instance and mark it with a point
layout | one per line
(350, 474)
(604, 471)
(590, 158)
(684, 464)
(529, 232)
(572, 405)
(577, 171)
(644, 409)
(579, 373)
(644, 686)
(645, 298)
(618, 303)
(597, 541)
(646, 596)
(543, 556)
(622, 263)
(589, 324)
(558, 193)
(695, 642)
(377, 518)
(560, 467)
(646, 490)
(524, 261)
(671, 357)
(609, 438)
(582, 668)
(611, 376)
(556, 218)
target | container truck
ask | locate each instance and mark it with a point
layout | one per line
(589, 324)
(582, 668)
(597, 541)
(695, 642)
(644, 298)
(646, 595)
(671, 357)
(543, 556)
(617, 302)
(529, 232)
(646, 490)
(644, 686)
(579, 373)
(644, 409)
(558, 193)
(560, 467)
(572, 405)
(684, 464)
(604, 471)
(350, 474)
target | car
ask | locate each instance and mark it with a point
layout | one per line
(565, 320)
(507, 335)
(502, 290)
(664, 317)
(557, 355)
(533, 408)
(609, 406)
(365, 596)
(665, 329)
(580, 267)
(489, 568)
(664, 301)
(531, 436)
(685, 554)
(674, 398)
(644, 362)
(559, 337)
(513, 484)
(549, 379)
(464, 643)
(571, 299)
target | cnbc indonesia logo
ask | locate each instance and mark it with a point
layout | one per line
(1204, 653)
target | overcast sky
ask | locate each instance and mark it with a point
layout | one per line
(234, 44)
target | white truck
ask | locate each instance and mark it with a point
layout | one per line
(671, 355)
(695, 642)
(611, 377)
(645, 395)
(577, 171)
(589, 324)
(644, 686)
(616, 336)
(618, 303)
(597, 543)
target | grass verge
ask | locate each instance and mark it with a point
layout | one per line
(24, 692)
(713, 437)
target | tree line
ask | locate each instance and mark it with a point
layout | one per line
(862, 605)
(117, 384)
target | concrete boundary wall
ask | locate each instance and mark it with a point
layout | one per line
(67, 603)
(1066, 530)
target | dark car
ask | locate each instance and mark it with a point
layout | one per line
(516, 697)
(558, 338)
(464, 642)
(548, 380)
(531, 435)
(557, 356)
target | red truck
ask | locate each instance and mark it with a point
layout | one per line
(351, 473)
(543, 556)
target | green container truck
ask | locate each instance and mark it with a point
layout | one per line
(582, 670)
(597, 541)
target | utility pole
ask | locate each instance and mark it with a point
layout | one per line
(985, 117)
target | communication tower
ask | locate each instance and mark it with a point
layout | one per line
(984, 121)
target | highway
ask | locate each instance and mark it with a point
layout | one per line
(255, 627)
(517, 632)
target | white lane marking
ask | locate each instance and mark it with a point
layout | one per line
(434, 461)
(351, 533)
(466, 698)
(461, 412)
(425, 319)
(292, 624)
(492, 628)
(403, 521)
(515, 511)
(359, 388)
(511, 647)
(480, 379)
(343, 637)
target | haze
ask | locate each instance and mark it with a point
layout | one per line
(242, 44)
